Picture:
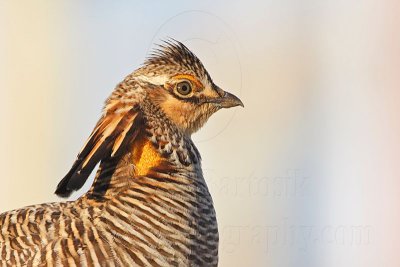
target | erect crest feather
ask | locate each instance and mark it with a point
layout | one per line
(173, 52)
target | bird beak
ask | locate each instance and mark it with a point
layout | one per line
(226, 100)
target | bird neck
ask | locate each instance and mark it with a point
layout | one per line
(158, 151)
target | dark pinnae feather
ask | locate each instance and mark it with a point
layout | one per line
(99, 148)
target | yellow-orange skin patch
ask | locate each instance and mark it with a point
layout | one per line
(145, 157)
(189, 77)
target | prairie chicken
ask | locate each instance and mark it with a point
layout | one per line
(149, 204)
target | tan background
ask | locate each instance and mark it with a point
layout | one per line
(306, 175)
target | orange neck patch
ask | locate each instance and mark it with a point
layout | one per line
(145, 157)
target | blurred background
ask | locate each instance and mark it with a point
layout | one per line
(307, 174)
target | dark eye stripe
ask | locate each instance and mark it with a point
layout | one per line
(192, 99)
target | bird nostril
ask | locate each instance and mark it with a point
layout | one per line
(220, 92)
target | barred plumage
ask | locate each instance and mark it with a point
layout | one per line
(149, 204)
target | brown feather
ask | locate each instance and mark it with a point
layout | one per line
(111, 134)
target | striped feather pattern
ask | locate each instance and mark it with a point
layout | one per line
(163, 218)
(115, 127)
(149, 204)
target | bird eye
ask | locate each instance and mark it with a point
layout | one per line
(184, 88)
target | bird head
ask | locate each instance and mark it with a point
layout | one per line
(181, 87)
(174, 81)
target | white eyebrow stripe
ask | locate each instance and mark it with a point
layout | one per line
(157, 80)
